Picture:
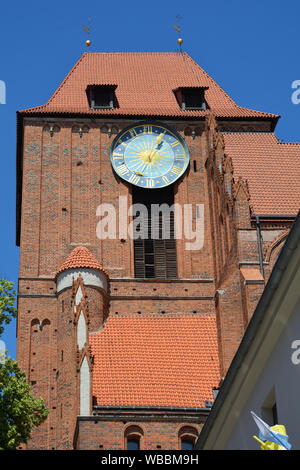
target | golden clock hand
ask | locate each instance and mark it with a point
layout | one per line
(152, 151)
(159, 138)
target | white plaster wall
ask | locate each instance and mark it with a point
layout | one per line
(81, 331)
(91, 277)
(78, 296)
(85, 388)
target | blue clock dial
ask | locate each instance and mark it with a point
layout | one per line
(149, 155)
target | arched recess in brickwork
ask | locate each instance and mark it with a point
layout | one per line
(40, 371)
(187, 435)
(39, 351)
(275, 247)
(80, 129)
(34, 345)
(133, 435)
(44, 323)
(35, 322)
(51, 128)
(213, 211)
(80, 207)
(228, 227)
(85, 381)
(274, 250)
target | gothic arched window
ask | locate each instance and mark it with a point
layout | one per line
(187, 437)
(155, 248)
(133, 438)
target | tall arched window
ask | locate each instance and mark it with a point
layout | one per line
(187, 437)
(155, 254)
(133, 438)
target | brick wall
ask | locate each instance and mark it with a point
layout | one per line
(155, 433)
(65, 177)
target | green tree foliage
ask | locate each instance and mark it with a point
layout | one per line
(7, 303)
(20, 411)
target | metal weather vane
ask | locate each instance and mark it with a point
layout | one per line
(178, 29)
(87, 30)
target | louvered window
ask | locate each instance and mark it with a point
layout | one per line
(155, 250)
(101, 96)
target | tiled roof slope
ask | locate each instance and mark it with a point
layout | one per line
(169, 360)
(80, 257)
(271, 168)
(145, 83)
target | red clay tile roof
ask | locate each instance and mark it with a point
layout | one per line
(80, 257)
(145, 86)
(166, 360)
(271, 168)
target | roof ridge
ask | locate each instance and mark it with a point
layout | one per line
(66, 78)
(44, 106)
(136, 52)
(256, 111)
(181, 69)
(213, 80)
(249, 132)
(155, 316)
(289, 143)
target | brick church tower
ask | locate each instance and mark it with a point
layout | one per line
(127, 338)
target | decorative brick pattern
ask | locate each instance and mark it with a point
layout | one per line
(178, 336)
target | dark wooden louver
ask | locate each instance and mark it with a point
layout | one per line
(155, 258)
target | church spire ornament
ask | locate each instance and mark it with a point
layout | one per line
(87, 30)
(178, 29)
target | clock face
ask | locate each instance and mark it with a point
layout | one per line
(149, 155)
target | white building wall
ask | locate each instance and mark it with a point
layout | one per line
(282, 374)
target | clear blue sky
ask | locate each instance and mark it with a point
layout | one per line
(251, 48)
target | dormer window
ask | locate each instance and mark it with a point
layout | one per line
(191, 98)
(101, 96)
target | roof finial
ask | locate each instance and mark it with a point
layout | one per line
(178, 29)
(87, 30)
